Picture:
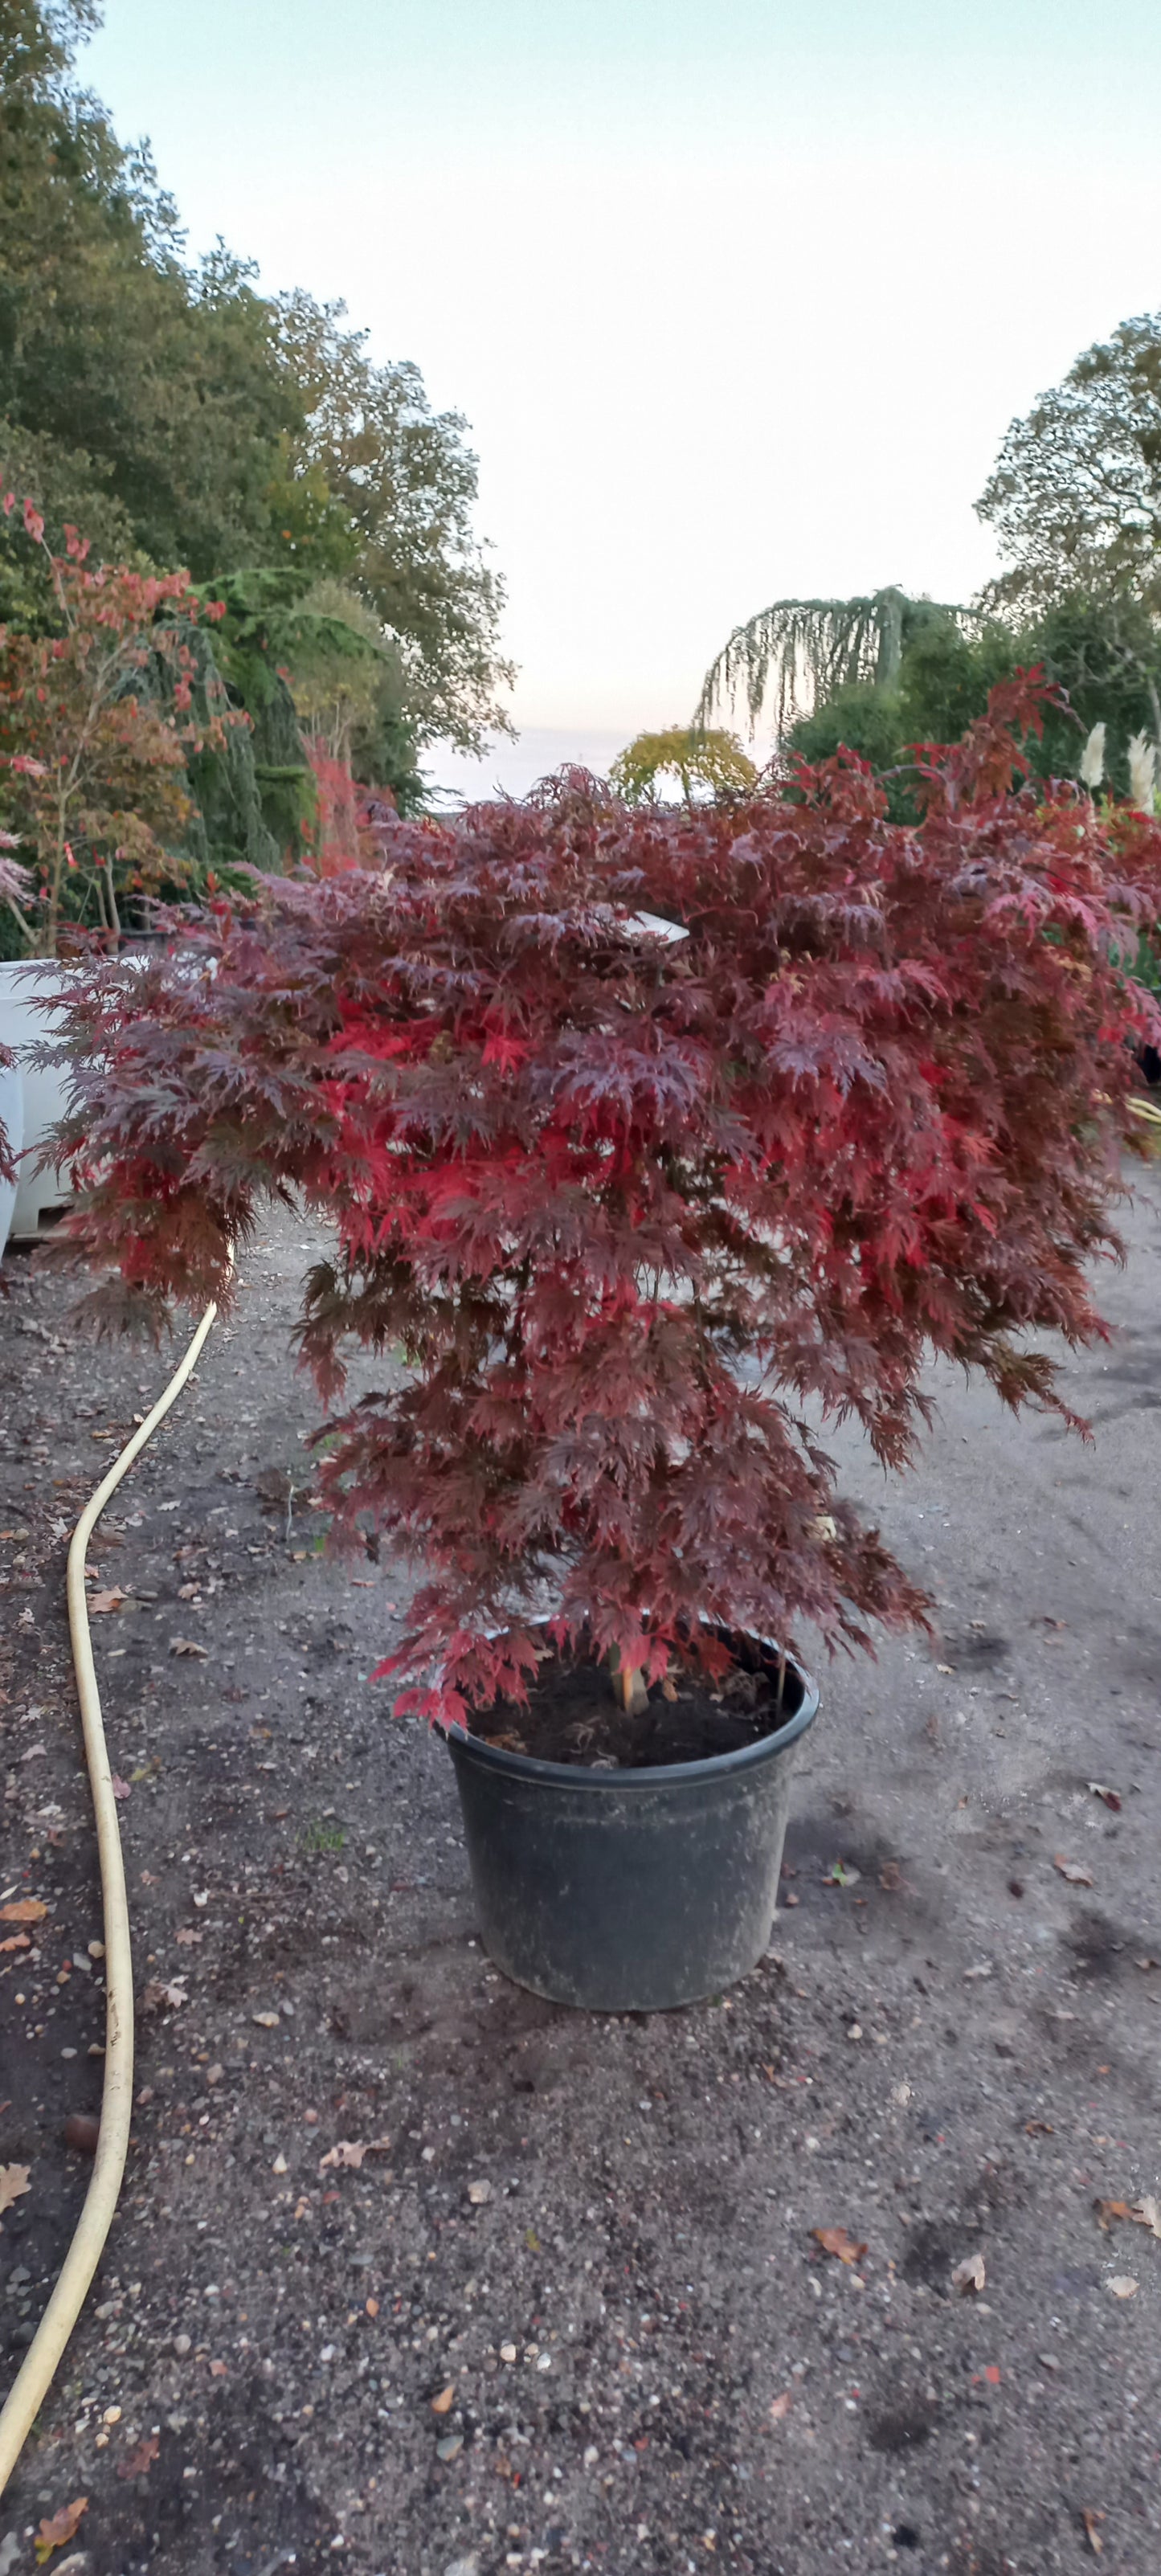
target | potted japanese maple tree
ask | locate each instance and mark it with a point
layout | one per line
(643, 1211)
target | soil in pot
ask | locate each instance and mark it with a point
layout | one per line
(574, 1716)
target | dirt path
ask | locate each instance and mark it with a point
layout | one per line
(653, 2364)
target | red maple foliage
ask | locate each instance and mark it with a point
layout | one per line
(645, 1213)
(344, 836)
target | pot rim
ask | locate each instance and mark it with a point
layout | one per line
(577, 1775)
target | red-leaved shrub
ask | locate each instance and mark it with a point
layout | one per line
(644, 1214)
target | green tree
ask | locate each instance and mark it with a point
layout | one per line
(947, 666)
(798, 653)
(181, 418)
(709, 761)
(151, 399)
(1074, 497)
(407, 484)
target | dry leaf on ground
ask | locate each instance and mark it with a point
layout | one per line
(835, 2240)
(970, 2274)
(16, 1941)
(27, 1909)
(188, 1646)
(99, 1602)
(1108, 2210)
(135, 2463)
(1073, 1870)
(120, 1787)
(59, 2527)
(1147, 2213)
(1123, 2286)
(186, 1937)
(351, 2151)
(156, 1995)
(1110, 1796)
(780, 2406)
(1090, 2521)
(13, 2181)
(442, 2404)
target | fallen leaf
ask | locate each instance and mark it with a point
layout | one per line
(135, 2463)
(1108, 2210)
(350, 2152)
(1039, 2129)
(839, 1875)
(835, 2240)
(1147, 2213)
(780, 2407)
(372, 2306)
(158, 1993)
(1090, 2521)
(100, 1602)
(1148, 1963)
(442, 2404)
(1073, 1870)
(1110, 1796)
(13, 2181)
(16, 1941)
(970, 2274)
(120, 1787)
(59, 2527)
(1123, 2286)
(891, 1877)
(187, 1646)
(27, 1909)
(187, 1938)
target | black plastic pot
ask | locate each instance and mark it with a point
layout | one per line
(629, 1891)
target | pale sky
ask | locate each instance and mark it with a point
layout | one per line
(738, 296)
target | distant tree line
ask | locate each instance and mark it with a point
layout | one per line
(1075, 502)
(179, 418)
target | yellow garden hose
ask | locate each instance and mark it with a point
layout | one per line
(39, 2366)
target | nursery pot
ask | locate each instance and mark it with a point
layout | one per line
(629, 1891)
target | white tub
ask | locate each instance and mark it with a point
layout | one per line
(28, 992)
(12, 1121)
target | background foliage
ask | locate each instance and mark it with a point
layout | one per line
(182, 419)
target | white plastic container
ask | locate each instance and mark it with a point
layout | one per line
(12, 1121)
(28, 992)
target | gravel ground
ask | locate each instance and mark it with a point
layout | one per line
(418, 2275)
